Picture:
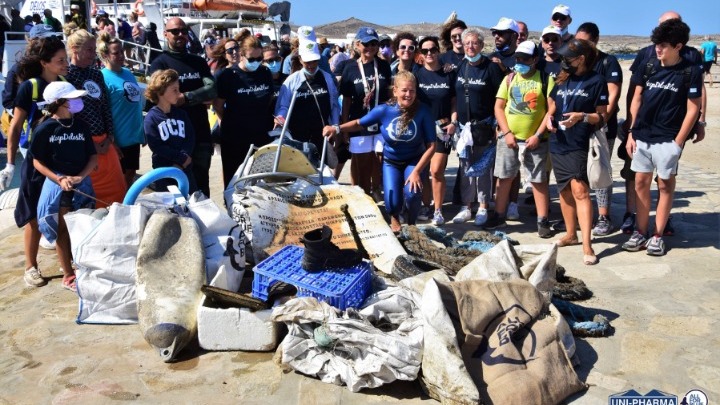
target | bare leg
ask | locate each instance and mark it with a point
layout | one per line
(376, 178)
(584, 209)
(31, 239)
(569, 213)
(502, 195)
(514, 189)
(62, 246)
(361, 168)
(542, 198)
(129, 177)
(437, 170)
(642, 191)
(666, 189)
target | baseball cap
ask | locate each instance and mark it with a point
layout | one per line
(566, 52)
(74, 7)
(384, 37)
(102, 12)
(551, 29)
(366, 34)
(41, 31)
(57, 90)
(306, 33)
(562, 9)
(309, 51)
(505, 24)
(526, 48)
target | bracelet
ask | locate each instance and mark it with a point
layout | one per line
(702, 123)
(60, 178)
(337, 129)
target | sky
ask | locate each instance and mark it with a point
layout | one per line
(614, 17)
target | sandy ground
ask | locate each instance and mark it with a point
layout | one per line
(664, 312)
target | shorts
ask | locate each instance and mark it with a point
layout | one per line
(130, 159)
(443, 147)
(508, 161)
(706, 66)
(662, 157)
(570, 166)
(366, 143)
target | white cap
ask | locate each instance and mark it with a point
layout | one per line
(505, 24)
(74, 7)
(562, 9)
(57, 90)
(306, 33)
(551, 29)
(526, 47)
(309, 51)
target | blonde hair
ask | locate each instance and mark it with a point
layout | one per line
(104, 41)
(159, 82)
(406, 114)
(78, 38)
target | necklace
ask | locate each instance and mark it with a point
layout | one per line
(58, 119)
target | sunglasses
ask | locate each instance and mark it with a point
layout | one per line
(258, 59)
(559, 17)
(275, 59)
(177, 31)
(409, 48)
(500, 33)
(456, 36)
(426, 51)
(234, 49)
(371, 43)
(553, 38)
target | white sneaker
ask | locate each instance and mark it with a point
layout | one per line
(45, 244)
(512, 212)
(481, 217)
(463, 216)
(33, 278)
(438, 218)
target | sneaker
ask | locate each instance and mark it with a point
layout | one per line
(494, 222)
(628, 225)
(655, 246)
(438, 218)
(603, 226)
(481, 217)
(45, 244)
(669, 228)
(512, 213)
(33, 278)
(560, 226)
(424, 213)
(636, 242)
(463, 216)
(544, 230)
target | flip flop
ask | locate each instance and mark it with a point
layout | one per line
(69, 284)
(590, 260)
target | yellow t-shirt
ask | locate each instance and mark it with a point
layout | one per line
(525, 105)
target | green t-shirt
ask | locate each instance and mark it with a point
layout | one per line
(525, 105)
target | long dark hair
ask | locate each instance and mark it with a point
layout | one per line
(582, 48)
(218, 54)
(445, 33)
(37, 50)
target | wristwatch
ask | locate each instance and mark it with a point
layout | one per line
(702, 123)
(337, 129)
(585, 118)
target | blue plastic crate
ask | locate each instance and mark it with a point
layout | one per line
(341, 288)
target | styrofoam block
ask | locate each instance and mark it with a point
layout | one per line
(235, 328)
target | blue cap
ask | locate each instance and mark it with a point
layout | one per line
(366, 34)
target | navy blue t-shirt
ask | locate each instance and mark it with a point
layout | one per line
(63, 150)
(191, 69)
(11, 88)
(648, 53)
(24, 99)
(171, 137)
(436, 90)
(247, 95)
(609, 68)
(552, 68)
(577, 94)
(507, 60)
(483, 83)
(452, 58)
(353, 90)
(664, 101)
(409, 145)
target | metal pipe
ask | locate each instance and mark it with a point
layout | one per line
(276, 163)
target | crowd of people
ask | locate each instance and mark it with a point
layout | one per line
(395, 107)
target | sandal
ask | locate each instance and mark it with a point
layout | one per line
(68, 283)
(590, 260)
(565, 241)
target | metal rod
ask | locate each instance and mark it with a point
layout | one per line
(92, 197)
(276, 164)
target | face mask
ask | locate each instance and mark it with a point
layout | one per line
(386, 51)
(308, 74)
(274, 66)
(252, 66)
(568, 68)
(473, 59)
(521, 69)
(75, 105)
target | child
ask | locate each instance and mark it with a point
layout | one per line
(170, 134)
(64, 153)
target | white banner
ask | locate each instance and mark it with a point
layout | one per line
(31, 7)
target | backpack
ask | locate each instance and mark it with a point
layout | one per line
(30, 122)
(543, 80)
(650, 70)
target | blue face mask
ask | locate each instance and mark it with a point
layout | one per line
(75, 105)
(308, 73)
(274, 66)
(522, 69)
(252, 66)
(473, 59)
(386, 51)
